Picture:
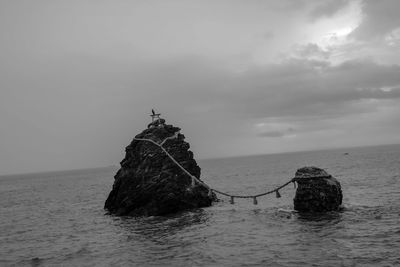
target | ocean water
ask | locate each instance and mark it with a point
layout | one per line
(57, 219)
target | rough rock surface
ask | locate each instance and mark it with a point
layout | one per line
(317, 191)
(149, 183)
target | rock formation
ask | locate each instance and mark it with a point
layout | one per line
(317, 191)
(150, 183)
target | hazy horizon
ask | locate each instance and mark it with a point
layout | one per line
(199, 160)
(78, 79)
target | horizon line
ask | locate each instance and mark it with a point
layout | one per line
(199, 159)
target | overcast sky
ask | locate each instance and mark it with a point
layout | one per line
(78, 79)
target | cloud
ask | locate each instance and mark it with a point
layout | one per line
(79, 75)
(379, 19)
(310, 88)
(311, 51)
(292, 88)
(272, 134)
(217, 106)
(327, 8)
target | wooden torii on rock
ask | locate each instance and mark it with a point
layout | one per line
(154, 116)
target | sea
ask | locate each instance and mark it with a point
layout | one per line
(57, 218)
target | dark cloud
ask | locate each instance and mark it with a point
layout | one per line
(296, 88)
(272, 134)
(307, 88)
(379, 18)
(327, 8)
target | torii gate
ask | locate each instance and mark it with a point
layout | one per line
(154, 116)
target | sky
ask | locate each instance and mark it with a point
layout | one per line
(78, 79)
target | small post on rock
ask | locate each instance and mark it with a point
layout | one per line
(154, 116)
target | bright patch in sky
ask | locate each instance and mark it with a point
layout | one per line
(78, 78)
(334, 30)
(343, 32)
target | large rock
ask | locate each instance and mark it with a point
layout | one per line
(150, 183)
(317, 191)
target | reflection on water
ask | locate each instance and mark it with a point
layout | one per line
(320, 218)
(156, 228)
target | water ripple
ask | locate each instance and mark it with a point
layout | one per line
(57, 219)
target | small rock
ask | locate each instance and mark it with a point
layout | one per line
(317, 191)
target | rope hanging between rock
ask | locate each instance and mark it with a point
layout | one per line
(210, 193)
(210, 190)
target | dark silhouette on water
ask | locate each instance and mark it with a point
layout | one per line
(150, 183)
(317, 191)
(159, 176)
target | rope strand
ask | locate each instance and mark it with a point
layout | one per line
(195, 179)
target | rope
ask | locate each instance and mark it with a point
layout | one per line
(195, 179)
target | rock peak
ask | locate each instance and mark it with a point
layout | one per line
(150, 183)
(157, 123)
(311, 172)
